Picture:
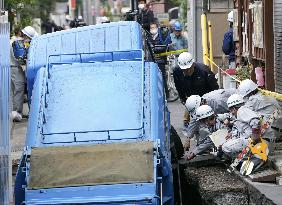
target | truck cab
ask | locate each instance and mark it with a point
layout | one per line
(98, 131)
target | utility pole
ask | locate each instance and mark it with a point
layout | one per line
(192, 27)
(96, 10)
(70, 14)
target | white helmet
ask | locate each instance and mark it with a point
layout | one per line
(185, 60)
(29, 31)
(203, 112)
(246, 87)
(172, 22)
(234, 99)
(230, 16)
(192, 103)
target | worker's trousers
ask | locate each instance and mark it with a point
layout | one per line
(17, 86)
(234, 146)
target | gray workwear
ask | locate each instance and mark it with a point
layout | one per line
(242, 129)
(265, 106)
(217, 99)
(193, 128)
(17, 81)
(204, 142)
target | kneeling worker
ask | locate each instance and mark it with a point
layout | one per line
(208, 124)
(245, 125)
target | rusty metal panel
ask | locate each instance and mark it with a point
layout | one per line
(268, 44)
(4, 112)
(277, 23)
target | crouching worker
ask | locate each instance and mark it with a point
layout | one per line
(245, 125)
(265, 106)
(216, 99)
(208, 123)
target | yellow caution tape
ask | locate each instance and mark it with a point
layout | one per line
(170, 53)
(278, 96)
(230, 76)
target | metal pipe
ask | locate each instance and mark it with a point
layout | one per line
(2, 4)
(211, 47)
(70, 7)
(204, 38)
(194, 27)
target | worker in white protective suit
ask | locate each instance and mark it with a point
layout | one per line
(245, 125)
(215, 99)
(263, 105)
(208, 123)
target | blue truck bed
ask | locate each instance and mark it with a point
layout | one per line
(84, 102)
(105, 37)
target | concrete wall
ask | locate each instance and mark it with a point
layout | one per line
(216, 11)
(219, 27)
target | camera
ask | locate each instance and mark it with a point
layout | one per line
(77, 23)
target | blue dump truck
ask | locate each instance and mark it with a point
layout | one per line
(99, 129)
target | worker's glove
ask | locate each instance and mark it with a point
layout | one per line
(227, 122)
(187, 144)
(190, 156)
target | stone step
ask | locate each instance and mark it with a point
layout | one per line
(277, 162)
(200, 161)
(268, 175)
(276, 152)
(278, 146)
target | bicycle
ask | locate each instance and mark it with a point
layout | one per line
(172, 92)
